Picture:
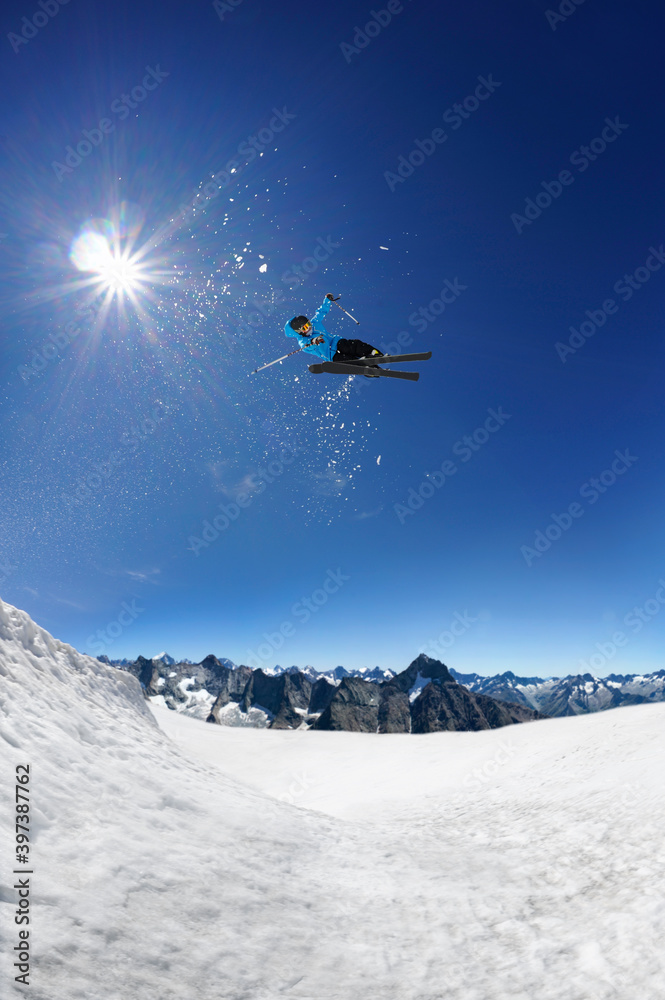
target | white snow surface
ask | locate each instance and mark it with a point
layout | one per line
(198, 861)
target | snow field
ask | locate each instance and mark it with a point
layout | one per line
(535, 846)
(406, 867)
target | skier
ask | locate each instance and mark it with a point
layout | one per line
(340, 356)
(315, 339)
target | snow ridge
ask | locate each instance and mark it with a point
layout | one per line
(128, 833)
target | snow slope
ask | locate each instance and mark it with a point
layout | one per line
(369, 778)
(471, 866)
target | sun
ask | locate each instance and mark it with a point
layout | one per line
(105, 250)
(114, 270)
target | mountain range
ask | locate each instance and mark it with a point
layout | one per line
(573, 695)
(423, 698)
(376, 699)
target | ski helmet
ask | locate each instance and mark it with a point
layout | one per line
(298, 322)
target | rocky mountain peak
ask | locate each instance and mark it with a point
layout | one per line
(211, 663)
(428, 667)
(424, 668)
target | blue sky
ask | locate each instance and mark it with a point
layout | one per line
(138, 425)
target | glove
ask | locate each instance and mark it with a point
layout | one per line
(317, 340)
(332, 297)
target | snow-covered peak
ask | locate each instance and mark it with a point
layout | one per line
(334, 675)
(373, 673)
(164, 658)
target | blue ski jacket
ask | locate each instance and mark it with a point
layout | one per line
(327, 349)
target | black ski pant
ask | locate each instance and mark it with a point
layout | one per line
(349, 350)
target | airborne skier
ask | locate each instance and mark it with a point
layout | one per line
(315, 339)
(340, 356)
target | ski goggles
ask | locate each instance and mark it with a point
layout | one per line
(305, 329)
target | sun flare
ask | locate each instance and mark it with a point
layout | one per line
(115, 270)
(106, 252)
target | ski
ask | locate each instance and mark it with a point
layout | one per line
(338, 368)
(389, 359)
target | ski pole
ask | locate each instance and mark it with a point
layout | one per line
(344, 311)
(277, 360)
